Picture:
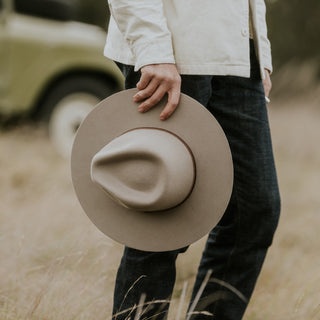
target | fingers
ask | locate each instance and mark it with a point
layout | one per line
(173, 101)
(267, 87)
(157, 95)
(147, 92)
(267, 84)
(156, 81)
(153, 100)
(146, 77)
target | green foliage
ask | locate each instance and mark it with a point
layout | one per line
(94, 12)
(294, 30)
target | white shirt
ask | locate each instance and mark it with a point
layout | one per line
(199, 36)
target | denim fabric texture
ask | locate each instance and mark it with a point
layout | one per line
(237, 246)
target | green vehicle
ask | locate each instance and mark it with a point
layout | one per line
(52, 65)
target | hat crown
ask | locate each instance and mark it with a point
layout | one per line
(145, 169)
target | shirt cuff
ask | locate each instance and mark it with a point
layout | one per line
(153, 52)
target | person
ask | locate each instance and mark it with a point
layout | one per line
(218, 53)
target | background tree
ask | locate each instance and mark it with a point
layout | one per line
(294, 31)
(95, 12)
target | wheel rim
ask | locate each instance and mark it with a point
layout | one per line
(66, 118)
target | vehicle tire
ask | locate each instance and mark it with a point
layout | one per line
(67, 104)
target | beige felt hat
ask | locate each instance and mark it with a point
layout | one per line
(152, 185)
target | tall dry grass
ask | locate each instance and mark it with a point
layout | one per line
(56, 265)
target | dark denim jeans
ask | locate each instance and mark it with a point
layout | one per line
(237, 246)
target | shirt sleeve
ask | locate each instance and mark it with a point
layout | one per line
(144, 27)
(264, 41)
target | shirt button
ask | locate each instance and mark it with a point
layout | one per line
(244, 32)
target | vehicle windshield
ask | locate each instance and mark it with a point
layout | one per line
(50, 9)
(77, 10)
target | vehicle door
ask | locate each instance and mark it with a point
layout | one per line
(31, 28)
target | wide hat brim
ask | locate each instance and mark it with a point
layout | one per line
(165, 230)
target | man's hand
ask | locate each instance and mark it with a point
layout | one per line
(157, 80)
(267, 83)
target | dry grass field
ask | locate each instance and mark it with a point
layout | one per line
(56, 265)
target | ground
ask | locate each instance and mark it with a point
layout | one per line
(55, 264)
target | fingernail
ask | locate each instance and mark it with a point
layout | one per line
(162, 117)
